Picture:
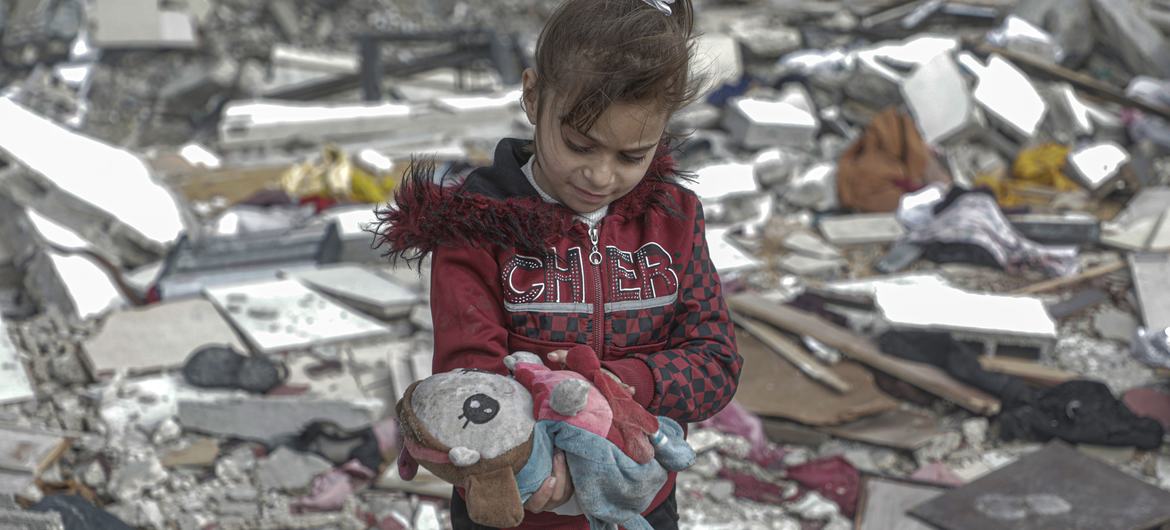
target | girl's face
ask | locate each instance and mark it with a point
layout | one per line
(587, 170)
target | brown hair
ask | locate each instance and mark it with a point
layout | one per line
(593, 53)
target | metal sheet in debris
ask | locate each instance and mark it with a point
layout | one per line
(1056, 487)
(285, 315)
(947, 308)
(1151, 276)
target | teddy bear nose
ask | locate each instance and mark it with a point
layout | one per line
(479, 409)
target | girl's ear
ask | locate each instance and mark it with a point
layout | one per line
(529, 100)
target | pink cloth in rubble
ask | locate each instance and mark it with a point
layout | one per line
(736, 420)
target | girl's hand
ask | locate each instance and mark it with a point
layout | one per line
(556, 490)
(560, 356)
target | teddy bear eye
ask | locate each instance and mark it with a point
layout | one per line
(479, 409)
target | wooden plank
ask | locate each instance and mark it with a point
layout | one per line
(792, 352)
(1030, 371)
(1059, 283)
(26, 451)
(926, 377)
(898, 429)
(773, 388)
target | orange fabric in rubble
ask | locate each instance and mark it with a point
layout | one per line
(888, 161)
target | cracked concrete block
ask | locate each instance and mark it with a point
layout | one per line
(941, 102)
(288, 470)
(263, 419)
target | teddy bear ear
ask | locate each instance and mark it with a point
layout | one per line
(463, 456)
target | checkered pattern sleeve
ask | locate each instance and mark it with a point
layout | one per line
(698, 375)
(469, 320)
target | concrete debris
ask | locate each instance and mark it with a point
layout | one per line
(284, 314)
(264, 419)
(362, 288)
(938, 96)
(861, 229)
(141, 24)
(788, 119)
(159, 337)
(15, 385)
(1096, 166)
(15, 519)
(1008, 96)
(288, 470)
(991, 320)
(814, 188)
(1019, 35)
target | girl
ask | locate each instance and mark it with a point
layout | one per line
(582, 236)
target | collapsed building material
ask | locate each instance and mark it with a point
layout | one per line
(15, 385)
(792, 352)
(858, 348)
(790, 119)
(129, 208)
(862, 229)
(141, 24)
(1056, 487)
(899, 429)
(211, 261)
(1151, 271)
(1098, 165)
(1067, 229)
(942, 103)
(363, 289)
(1024, 37)
(1060, 283)
(283, 315)
(1008, 96)
(266, 419)
(991, 320)
(775, 388)
(157, 337)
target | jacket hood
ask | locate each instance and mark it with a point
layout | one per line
(497, 206)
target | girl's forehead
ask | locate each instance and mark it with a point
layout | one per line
(627, 125)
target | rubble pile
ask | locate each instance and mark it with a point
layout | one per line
(941, 227)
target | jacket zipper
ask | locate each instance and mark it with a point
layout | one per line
(595, 259)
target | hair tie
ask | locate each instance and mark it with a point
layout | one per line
(661, 5)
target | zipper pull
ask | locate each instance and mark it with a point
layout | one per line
(595, 254)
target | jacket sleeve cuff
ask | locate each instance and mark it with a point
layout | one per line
(635, 373)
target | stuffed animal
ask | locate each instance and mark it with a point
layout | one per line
(494, 437)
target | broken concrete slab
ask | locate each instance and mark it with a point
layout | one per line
(810, 245)
(986, 318)
(285, 315)
(156, 337)
(264, 419)
(15, 385)
(120, 24)
(289, 470)
(1019, 35)
(814, 187)
(363, 289)
(789, 119)
(812, 267)
(327, 379)
(1097, 165)
(1056, 487)
(1138, 41)
(202, 452)
(129, 208)
(861, 229)
(1114, 324)
(1008, 96)
(941, 101)
(766, 41)
(1151, 272)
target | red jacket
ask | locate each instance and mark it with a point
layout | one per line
(511, 272)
